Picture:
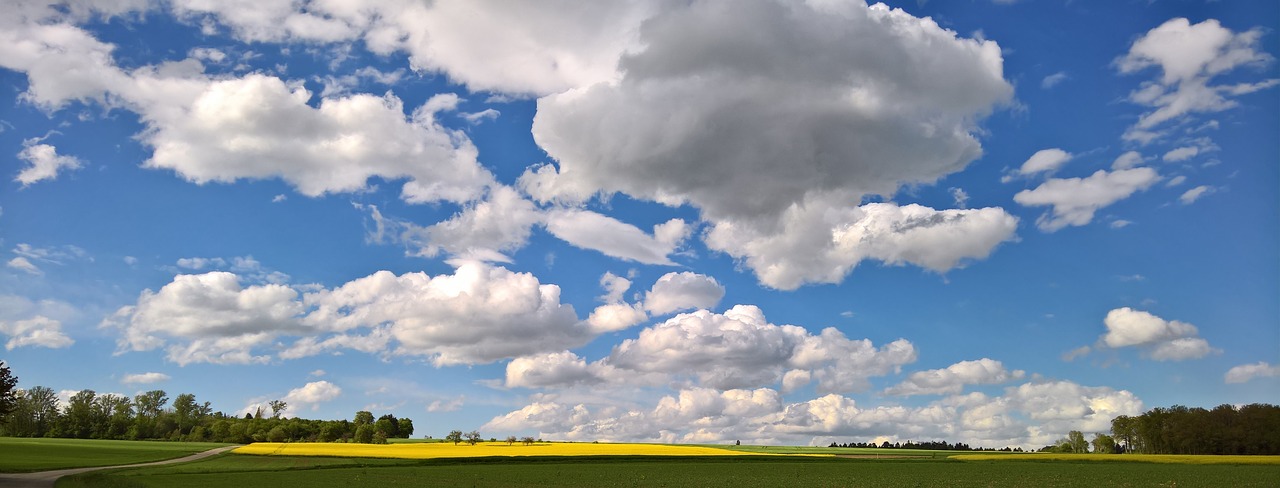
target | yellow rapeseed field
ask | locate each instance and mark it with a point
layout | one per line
(1141, 458)
(483, 449)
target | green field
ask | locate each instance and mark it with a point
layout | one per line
(247, 471)
(23, 455)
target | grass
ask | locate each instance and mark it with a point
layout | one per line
(247, 471)
(23, 455)
(1127, 458)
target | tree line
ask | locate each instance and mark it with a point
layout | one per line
(35, 412)
(927, 445)
(1225, 429)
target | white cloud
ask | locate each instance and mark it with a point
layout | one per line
(144, 378)
(1053, 80)
(591, 230)
(961, 198)
(225, 129)
(1189, 56)
(499, 224)
(736, 349)
(1175, 181)
(446, 405)
(1247, 372)
(1162, 340)
(38, 331)
(44, 161)
(1181, 154)
(1045, 161)
(1190, 196)
(23, 264)
(821, 244)
(1127, 160)
(1028, 416)
(479, 314)
(1075, 200)
(952, 379)
(311, 395)
(682, 291)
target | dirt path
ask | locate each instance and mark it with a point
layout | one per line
(45, 479)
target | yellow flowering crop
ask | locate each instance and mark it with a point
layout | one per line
(1141, 458)
(484, 449)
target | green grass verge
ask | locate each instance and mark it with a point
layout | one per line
(24, 455)
(244, 471)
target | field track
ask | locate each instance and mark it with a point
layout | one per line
(46, 479)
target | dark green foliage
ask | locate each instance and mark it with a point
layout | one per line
(364, 434)
(8, 400)
(1251, 429)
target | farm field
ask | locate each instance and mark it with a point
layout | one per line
(483, 449)
(24, 455)
(249, 471)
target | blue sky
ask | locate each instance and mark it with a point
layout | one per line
(780, 222)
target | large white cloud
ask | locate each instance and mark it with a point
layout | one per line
(735, 349)
(1189, 56)
(952, 379)
(1163, 340)
(38, 331)
(478, 314)
(822, 244)
(1028, 415)
(1247, 372)
(1075, 200)
(311, 395)
(223, 129)
(682, 291)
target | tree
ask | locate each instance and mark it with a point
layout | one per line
(364, 434)
(473, 437)
(388, 426)
(511, 440)
(455, 436)
(8, 398)
(527, 440)
(77, 418)
(1103, 444)
(277, 408)
(1076, 442)
(379, 437)
(363, 417)
(42, 404)
(406, 427)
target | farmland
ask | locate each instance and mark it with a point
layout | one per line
(20, 455)
(601, 465)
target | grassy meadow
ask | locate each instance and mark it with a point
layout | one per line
(578, 464)
(24, 455)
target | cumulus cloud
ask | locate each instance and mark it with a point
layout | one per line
(735, 349)
(1189, 57)
(1028, 415)
(682, 291)
(311, 395)
(44, 162)
(1181, 154)
(612, 237)
(952, 379)
(38, 331)
(1045, 161)
(1247, 372)
(223, 129)
(494, 226)
(1161, 340)
(820, 244)
(144, 378)
(479, 314)
(1075, 200)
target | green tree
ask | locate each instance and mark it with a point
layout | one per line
(388, 426)
(42, 408)
(406, 427)
(473, 437)
(277, 408)
(1103, 444)
(455, 436)
(77, 417)
(379, 437)
(511, 440)
(277, 434)
(8, 397)
(364, 434)
(118, 414)
(1076, 442)
(363, 418)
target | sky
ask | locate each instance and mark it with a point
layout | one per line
(779, 222)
